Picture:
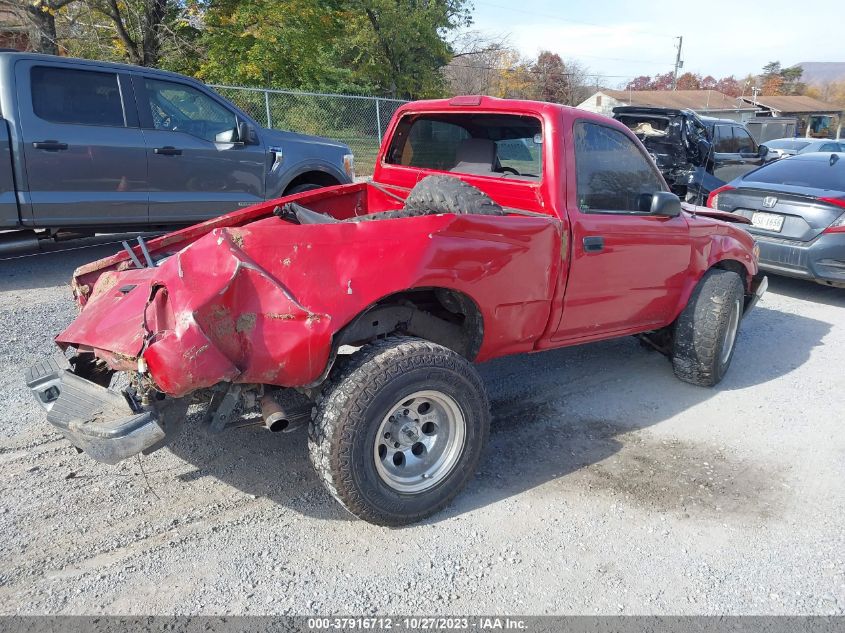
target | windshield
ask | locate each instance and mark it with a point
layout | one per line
(786, 144)
(495, 145)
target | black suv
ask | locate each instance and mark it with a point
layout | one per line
(695, 154)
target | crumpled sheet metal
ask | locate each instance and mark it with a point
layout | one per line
(260, 303)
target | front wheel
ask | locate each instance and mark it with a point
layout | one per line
(706, 331)
(399, 430)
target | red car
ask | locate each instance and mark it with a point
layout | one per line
(490, 227)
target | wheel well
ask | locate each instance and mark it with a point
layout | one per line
(312, 178)
(444, 316)
(734, 266)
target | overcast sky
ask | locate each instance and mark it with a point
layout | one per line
(628, 38)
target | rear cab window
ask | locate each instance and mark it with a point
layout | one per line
(76, 97)
(492, 145)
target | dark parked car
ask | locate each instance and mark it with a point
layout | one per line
(797, 212)
(93, 147)
(694, 154)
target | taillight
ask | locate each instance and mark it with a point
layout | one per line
(713, 198)
(838, 225)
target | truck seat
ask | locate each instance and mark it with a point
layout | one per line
(475, 156)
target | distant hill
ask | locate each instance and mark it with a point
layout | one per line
(822, 72)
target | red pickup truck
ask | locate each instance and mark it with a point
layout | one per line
(490, 227)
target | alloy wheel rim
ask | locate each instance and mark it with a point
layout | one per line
(419, 441)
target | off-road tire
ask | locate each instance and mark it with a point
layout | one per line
(439, 194)
(448, 194)
(352, 405)
(702, 327)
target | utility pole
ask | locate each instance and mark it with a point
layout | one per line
(678, 63)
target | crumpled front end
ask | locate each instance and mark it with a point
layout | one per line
(206, 315)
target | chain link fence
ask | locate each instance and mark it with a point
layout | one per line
(357, 121)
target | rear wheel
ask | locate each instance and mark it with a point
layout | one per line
(399, 430)
(706, 331)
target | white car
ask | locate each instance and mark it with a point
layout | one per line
(783, 147)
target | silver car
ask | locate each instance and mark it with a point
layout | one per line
(783, 147)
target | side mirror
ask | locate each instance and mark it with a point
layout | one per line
(763, 151)
(666, 204)
(246, 133)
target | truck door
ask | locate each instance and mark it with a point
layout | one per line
(749, 151)
(735, 152)
(84, 154)
(627, 267)
(193, 175)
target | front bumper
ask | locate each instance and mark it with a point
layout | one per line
(97, 420)
(821, 260)
(759, 285)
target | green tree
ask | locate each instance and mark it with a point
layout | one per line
(285, 43)
(400, 45)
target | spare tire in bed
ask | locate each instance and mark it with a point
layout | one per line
(447, 194)
(439, 194)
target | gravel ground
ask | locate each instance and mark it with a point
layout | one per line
(609, 487)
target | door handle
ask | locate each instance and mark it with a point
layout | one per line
(50, 146)
(593, 244)
(168, 151)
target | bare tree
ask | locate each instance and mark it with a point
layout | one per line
(477, 63)
(138, 25)
(40, 18)
(579, 85)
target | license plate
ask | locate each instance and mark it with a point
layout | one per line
(768, 221)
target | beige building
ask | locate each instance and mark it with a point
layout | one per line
(704, 102)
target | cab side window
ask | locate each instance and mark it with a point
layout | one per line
(744, 143)
(723, 140)
(613, 175)
(180, 108)
(76, 97)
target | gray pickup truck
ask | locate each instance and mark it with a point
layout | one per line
(91, 147)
